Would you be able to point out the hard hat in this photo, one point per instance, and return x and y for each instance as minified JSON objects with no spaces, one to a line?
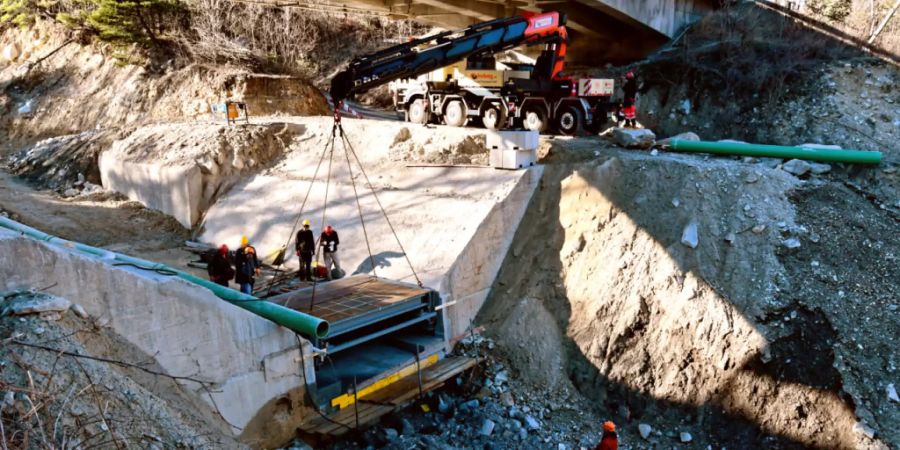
{"x":223,"y":249}
{"x":328,"y":229}
{"x":244,"y":241}
{"x":306,"y":222}
{"x":609,"y":426}
{"x":629,"y":74}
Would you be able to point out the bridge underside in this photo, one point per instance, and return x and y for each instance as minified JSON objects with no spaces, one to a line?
{"x":601,"y":31}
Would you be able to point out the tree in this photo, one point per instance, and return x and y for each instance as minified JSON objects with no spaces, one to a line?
{"x":127,"y":22}
{"x":836,"y":10}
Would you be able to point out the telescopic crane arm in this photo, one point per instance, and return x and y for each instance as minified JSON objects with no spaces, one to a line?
{"x":423,"y":55}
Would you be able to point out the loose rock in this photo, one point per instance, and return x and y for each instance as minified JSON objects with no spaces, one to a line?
{"x":687,"y":136}
{"x":645,"y":430}
{"x":531,"y":423}
{"x":686,"y":437}
{"x":796,"y":167}
{"x":36,"y":305}
{"x":819,"y":168}
{"x":487,"y":427}
{"x":689,"y":237}
{"x":79,"y":311}
{"x":634,"y":138}
{"x":892,"y":393}
{"x":791,"y":243}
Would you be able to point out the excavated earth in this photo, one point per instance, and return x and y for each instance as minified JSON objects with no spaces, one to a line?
{"x":648,"y":323}
{"x":601,"y":312}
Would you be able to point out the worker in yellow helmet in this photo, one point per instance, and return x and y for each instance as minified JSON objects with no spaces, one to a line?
{"x":305,"y":247}
{"x":246,"y":266}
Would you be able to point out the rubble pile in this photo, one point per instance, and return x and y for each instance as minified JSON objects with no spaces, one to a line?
{"x":65,"y":382}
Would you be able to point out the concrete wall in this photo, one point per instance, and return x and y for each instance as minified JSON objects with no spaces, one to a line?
{"x":173,"y":189}
{"x":466,"y":285}
{"x":188,"y":330}
{"x":664,"y":16}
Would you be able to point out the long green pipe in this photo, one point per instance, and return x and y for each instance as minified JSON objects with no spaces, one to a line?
{"x":308,"y":326}
{"x":776,"y":151}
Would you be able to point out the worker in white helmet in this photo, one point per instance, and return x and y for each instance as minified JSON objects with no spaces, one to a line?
{"x":306,"y":247}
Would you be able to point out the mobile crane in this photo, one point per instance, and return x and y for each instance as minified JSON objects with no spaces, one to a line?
{"x":458,"y":78}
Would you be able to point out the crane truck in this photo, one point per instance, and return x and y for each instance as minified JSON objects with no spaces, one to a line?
{"x":453,"y":77}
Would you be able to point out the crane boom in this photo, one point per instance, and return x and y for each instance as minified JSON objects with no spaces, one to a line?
{"x":423,"y":55}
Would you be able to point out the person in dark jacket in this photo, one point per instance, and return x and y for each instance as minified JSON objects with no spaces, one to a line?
{"x":246,"y":266}
{"x":305,"y":247}
{"x":609,"y":440}
{"x":329,"y":242}
{"x":628,"y":100}
{"x":219,"y":267}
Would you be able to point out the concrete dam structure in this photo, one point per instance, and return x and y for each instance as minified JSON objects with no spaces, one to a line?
{"x":388,"y":340}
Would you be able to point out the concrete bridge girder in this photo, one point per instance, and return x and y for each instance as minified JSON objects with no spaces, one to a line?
{"x":601,"y":30}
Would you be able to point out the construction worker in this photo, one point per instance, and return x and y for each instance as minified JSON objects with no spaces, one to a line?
{"x":609,"y":440}
{"x":246,"y":266}
{"x":329,"y":242}
{"x":305,"y":247}
{"x":628,"y":100}
{"x":219,"y":267}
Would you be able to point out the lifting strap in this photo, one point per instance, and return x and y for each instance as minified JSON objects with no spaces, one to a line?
{"x":337,"y":130}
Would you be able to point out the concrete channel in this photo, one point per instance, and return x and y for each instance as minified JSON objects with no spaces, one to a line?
{"x":457,"y":226}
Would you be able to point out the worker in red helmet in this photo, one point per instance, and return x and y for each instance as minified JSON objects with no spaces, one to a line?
{"x":219,"y":267}
{"x":629,"y":90}
{"x":609,"y":440}
{"x":329,"y":242}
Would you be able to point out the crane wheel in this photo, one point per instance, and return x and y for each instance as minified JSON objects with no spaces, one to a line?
{"x":534,"y":119}
{"x":416,"y":112}
{"x":455,"y":114}
{"x":493,"y":118}
{"x":570,"y":120}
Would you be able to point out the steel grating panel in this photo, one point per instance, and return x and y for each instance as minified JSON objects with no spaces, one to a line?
{"x":354,"y":301}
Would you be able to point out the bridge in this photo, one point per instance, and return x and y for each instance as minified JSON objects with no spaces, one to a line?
{"x":604,"y":30}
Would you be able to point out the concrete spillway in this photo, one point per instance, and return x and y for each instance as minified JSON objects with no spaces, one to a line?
{"x":456,"y":225}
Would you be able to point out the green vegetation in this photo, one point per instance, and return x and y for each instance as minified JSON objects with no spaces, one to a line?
{"x":118,"y":22}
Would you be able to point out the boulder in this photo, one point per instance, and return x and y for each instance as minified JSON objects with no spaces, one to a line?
{"x":796,"y":167}
{"x":687,"y":136}
{"x":819,"y":168}
{"x":10,"y":53}
{"x":686,"y":437}
{"x":634,"y":137}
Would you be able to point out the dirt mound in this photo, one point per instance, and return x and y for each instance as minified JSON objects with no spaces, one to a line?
{"x":63,"y":162}
{"x":439,"y":148}
{"x":702,"y":335}
{"x":57,"y":394}
{"x":80,"y":88}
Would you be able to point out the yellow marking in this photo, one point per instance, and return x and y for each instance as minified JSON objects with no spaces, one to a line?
{"x":346,"y":400}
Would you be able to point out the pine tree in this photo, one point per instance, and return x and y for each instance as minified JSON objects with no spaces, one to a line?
{"x":133,"y":21}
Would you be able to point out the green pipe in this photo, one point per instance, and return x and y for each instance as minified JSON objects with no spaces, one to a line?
{"x":305,"y":324}
{"x":776,"y":151}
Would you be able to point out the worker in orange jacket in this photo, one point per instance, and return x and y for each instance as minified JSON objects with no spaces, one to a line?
{"x":609,"y":440}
